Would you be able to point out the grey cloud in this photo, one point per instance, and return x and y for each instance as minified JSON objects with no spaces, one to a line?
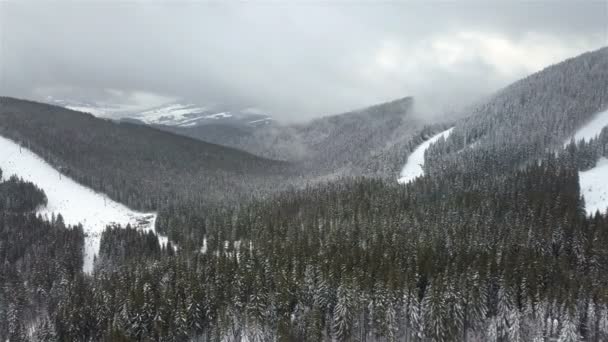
{"x":296,"y":59}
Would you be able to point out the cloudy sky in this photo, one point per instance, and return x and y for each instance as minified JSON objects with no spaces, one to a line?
{"x":297,"y":59}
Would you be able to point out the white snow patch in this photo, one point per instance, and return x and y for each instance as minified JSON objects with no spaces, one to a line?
{"x":594,"y":182}
{"x":415,"y":161}
{"x":260,"y":120}
{"x":219,"y":115}
{"x":204,"y":248}
{"x":76,"y":203}
{"x":592,"y":129}
{"x":594,"y":187}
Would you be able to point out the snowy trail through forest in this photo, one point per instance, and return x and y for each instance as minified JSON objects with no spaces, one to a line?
{"x":415,"y":161}
{"x":76,"y":203}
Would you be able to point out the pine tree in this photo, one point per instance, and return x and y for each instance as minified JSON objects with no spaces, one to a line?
{"x":343,"y":314}
{"x":569,"y":331}
{"x":45,"y":331}
{"x":603,"y":322}
{"x":515,"y":334}
{"x":434,"y":309}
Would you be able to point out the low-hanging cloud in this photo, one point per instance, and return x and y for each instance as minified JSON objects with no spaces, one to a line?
{"x":297,"y":59}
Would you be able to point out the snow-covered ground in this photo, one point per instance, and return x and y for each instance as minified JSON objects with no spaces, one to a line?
{"x":594,"y":187}
{"x":594,"y":182}
{"x":593,"y":128}
{"x":76,"y":203}
{"x":415,"y":161}
{"x":262,"y":121}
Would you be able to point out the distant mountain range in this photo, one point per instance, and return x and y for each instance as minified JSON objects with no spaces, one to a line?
{"x":172,"y":114}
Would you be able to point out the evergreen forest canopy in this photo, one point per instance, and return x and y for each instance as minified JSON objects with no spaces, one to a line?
{"x":492,"y":244}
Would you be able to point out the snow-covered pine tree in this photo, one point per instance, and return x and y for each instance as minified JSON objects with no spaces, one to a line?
{"x":434,"y":310}
{"x":569,"y":331}
{"x":343,"y":314}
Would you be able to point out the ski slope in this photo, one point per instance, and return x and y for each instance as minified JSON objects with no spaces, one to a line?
{"x":415,"y":161}
{"x":594,"y":187}
{"x":594,"y":182}
{"x":593,"y":128}
{"x":76,"y":203}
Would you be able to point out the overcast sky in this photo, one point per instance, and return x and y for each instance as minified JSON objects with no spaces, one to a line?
{"x":296,"y":59}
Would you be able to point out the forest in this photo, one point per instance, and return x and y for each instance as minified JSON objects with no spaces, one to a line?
{"x":505,"y":258}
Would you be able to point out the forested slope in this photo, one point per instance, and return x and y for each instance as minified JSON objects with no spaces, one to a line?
{"x":526,"y":119}
{"x":137,"y":165}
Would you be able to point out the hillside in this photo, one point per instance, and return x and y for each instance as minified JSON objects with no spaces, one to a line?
{"x":526,"y":119}
{"x":137,"y":165}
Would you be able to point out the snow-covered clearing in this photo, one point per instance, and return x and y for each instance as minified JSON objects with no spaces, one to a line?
{"x":593,"y":128}
{"x":594,"y":182}
{"x":594,"y":187}
{"x":76,"y":203}
{"x":415,"y":161}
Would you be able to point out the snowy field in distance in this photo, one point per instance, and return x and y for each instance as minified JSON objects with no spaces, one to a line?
{"x":593,"y":128}
{"x":76,"y":203}
{"x":415,"y":161}
{"x":594,"y":187}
